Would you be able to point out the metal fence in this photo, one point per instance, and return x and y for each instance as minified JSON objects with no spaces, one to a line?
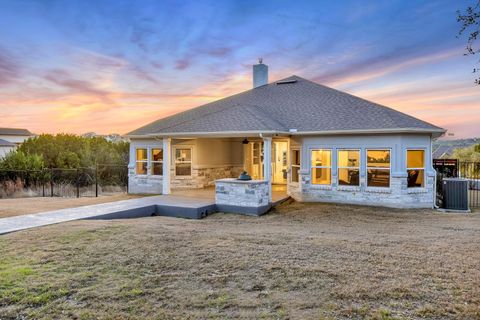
{"x":57,"y":182}
{"x":452,"y":168}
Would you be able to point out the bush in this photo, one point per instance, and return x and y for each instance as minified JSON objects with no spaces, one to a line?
{"x":19,"y":160}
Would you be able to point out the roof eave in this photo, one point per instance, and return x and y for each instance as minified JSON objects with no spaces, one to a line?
{"x":225,"y":134}
{"x":216,"y":134}
{"x":432,"y":131}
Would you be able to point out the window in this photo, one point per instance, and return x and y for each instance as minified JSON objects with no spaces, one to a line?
{"x":295,"y":166}
{"x":183,"y":162}
{"x":321,"y":166}
{"x":349,"y":167}
{"x":157,"y":162}
{"x":378,"y":168}
{"x":416,"y":168}
{"x":141,"y":161}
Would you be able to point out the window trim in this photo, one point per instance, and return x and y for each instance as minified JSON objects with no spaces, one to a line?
{"x":141,"y":161}
{"x":342,"y":167}
{"x":153,"y":161}
{"x":424,"y":166}
{"x":295,"y":165}
{"x":174,"y":155}
{"x":321,"y":167}
{"x":378,"y":168}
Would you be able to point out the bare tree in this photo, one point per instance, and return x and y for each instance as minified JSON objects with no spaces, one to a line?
{"x":470,"y":20}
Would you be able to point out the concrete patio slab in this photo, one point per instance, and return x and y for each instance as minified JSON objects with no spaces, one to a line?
{"x":193,"y":204}
{"x":179,"y":206}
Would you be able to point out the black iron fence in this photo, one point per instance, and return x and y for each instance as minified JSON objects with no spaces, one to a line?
{"x":452,"y":168}
{"x":57,"y":182}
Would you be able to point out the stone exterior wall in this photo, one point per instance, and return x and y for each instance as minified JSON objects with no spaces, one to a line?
{"x":146,"y":184}
{"x":397,"y":196}
{"x":201,"y":177}
{"x":232,"y":192}
{"x":205,"y":176}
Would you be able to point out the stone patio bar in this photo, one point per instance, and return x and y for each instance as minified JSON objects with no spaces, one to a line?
{"x":250,"y":197}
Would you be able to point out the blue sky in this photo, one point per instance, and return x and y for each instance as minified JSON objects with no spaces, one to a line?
{"x":111,"y":66}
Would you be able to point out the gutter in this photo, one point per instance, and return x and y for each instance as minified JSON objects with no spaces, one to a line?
{"x":435,"y":133}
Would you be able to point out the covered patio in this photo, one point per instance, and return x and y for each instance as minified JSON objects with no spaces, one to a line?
{"x":190,"y":165}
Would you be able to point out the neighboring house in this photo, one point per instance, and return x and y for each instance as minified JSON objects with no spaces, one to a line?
{"x":10,"y":138}
{"x":113,"y":137}
{"x":323,"y":144}
{"x":6,"y":147}
{"x":443,"y":152}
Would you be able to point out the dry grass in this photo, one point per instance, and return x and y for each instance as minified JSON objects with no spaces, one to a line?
{"x":19,"y":206}
{"x":303,"y":261}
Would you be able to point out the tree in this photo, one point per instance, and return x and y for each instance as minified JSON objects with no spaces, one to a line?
{"x":468,"y":154}
{"x":71,"y":151}
{"x":470,"y":20}
{"x":18,"y":160}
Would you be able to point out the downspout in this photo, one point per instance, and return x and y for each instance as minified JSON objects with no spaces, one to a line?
{"x":435,"y":179}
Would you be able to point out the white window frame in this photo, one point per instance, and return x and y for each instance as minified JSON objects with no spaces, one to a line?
{"x":424,"y":166}
{"x":295,"y":165}
{"x":379,"y":168}
{"x":175,"y":161}
{"x":321,"y":167}
{"x":357,"y":168}
{"x":152,"y":162}
{"x":141,"y":161}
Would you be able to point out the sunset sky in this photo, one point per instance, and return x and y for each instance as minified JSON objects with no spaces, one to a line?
{"x":112,"y":66}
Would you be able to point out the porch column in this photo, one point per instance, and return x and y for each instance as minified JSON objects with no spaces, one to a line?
{"x":267,"y":164}
{"x":167,"y":143}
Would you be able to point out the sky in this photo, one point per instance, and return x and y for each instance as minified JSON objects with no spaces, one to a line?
{"x":113,"y":66}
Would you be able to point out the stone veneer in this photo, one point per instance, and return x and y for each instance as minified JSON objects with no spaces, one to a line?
{"x":201,"y":177}
{"x":397,"y":196}
{"x":248,"y":197}
{"x":204,"y":176}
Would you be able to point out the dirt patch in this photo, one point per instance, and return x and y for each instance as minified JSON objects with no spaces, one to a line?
{"x":19,"y":206}
{"x":302,"y":261}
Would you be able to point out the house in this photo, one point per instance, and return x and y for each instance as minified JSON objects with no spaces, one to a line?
{"x":320,"y":143}
{"x":10,"y":138}
{"x":443,"y":152}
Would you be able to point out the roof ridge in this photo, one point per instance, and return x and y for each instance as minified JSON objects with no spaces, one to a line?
{"x":204,"y":106}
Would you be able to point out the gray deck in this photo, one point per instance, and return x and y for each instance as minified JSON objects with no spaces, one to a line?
{"x":193,"y":204}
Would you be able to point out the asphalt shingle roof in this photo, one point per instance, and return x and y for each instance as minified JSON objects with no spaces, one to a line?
{"x":299,"y":104}
{"x":15,"y":132}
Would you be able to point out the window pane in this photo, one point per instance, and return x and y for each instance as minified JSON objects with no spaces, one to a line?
{"x":157,"y":168}
{"x":183,"y":154}
{"x":415,"y":159}
{"x":416,"y":178}
{"x":348,"y":177}
{"x":183,"y":169}
{"x":378,"y":158}
{"x":157,"y":155}
{"x":349,"y":158}
{"x":296,"y":157}
{"x":321,"y":175}
{"x":141,"y":154}
{"x":378,"y":178}
{"x":321,"y":158}
{"x":141,"y":168}
{"x":295,"y":174}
